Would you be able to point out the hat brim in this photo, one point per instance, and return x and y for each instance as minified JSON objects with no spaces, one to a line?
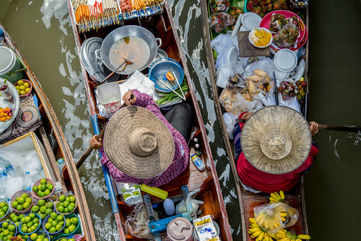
{"x":116,"y":143}
{"x":286,"y":120}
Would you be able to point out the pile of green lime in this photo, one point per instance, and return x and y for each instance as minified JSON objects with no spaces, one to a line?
{"x":30,"y":223}
{"x":22,"y":202}
{"x":55,"y":223}
{"x":38,"y":237}
{"x":66,"y":239}
{"x":43,"y":208}
{"x":4,"y":208}
{"x":16,"y":218}
{"x":65,"y":204}
{"x":43,"y":189}
{"x":70,"y":225}
{"x":7,"y":231}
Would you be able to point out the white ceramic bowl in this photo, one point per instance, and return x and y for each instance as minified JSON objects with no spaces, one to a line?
{"x":253,"y":32}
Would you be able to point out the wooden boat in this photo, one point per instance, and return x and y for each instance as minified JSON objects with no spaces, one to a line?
{"x":164,"y":28}
{"x":55,"y":145}
{"x":248,"y":200}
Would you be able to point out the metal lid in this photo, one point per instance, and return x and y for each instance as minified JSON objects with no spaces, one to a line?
{"x":7,"y":59}
{"x":180,"y":229}
{"x":91,"y":63}
{"x":285,"y":60}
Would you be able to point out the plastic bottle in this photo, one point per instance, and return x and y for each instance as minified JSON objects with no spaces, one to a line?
{"x":61,"y":164}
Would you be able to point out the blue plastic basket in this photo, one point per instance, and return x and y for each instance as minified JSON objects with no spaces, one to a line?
{"x":35,"y":229}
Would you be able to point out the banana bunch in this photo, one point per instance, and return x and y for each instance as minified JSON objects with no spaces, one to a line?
{"x":275,"y":197}
{"x":257,"y":232}
{"x":268,"y":222}
{"x":284,"y":235}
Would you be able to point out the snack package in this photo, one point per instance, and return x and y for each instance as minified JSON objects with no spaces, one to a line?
{"x":130,"y":193}
{"x":275,"y":216}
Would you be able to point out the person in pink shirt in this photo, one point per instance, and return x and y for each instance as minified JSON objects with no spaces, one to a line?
{"x":178,"y":131}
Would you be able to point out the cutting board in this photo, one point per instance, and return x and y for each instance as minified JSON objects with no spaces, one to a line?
{"x":247,"y":50}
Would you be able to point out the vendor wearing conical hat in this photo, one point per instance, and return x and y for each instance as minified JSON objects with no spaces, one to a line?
{"x":273,"y":148}
{"x":140,"y":145}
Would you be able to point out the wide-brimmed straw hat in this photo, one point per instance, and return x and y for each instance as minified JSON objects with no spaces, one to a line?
{"x":138,"y":143}
{"x":276,"y":140}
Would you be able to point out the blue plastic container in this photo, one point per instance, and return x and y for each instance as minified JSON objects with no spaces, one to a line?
{"x":35,"y":229}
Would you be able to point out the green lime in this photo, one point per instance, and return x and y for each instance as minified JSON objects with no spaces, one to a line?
{"x":62,"y":198}
{"x":61,"y":209}
{"x":47,"y":226}
{"x":74,"y":221}
{"x":26,"y":205}
{"x":24,"y":229}
{"x":2,"y":213}
{"x":66,"y":231}
{"x":35,"y":188}
{"x":53,"y":215}
{"x":53,"y":223}
{"x":46,"y":192}
{"x":59,"y":218}
{"x":20,"y":200}
{"x":42,"y":187}
{"x":14,"y":204}
{"x":72,"y":228}
{"x":24,"y":195}
{"x":33,"y":236}
{"x":41,"y":194}
{"x":12,"y":227}
{"x":19,"y":207}
{"x":49,"y":205}
{"x":43,"y":181}
{"x":49,"y":186}
{"x":5,"y":225}
{"x":41,"y":202}
{"x":59,"y":227}
{"x":35,"y":209}
{"x":52,"y":230}
{"x":48,"y":211}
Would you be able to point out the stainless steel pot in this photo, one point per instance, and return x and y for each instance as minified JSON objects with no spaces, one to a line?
{"x":129,"y":31}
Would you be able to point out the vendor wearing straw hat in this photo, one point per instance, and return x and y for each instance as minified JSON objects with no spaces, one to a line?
{"x":277,"y":148}
{"x":140,"y":145}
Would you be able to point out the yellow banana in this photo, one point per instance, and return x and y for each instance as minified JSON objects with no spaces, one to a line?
{"x":282,"y":194}
{"x":260,"y":236}
{"x":304,"y":236}
{"x":252,"y":220}
{"x":298,"y":239}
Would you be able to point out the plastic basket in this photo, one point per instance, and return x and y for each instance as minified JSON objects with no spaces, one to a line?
{"x":47,"y":232}
{"x":8,"y":211}
{"x":18,"y":194}
{"x":34,"y":230}
{"x":76,"y":231}
{"x":8,"y":221}
{"x":37,"y":183}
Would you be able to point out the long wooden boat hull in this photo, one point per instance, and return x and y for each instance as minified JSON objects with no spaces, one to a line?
{"x":249,"y":200}
{"x":206,"y":181}
{"x":51,"y":129}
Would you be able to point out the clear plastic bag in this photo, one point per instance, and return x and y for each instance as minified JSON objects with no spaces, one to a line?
{"x":275,"y":216}
{"x":229,"y":120}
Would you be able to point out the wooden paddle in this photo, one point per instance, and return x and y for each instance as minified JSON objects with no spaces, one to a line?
{"x":340,"y":128}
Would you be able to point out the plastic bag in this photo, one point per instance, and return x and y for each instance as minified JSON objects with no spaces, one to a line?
{"x":229,"y":120}
{"x":265,"y":64}
{"x":137,"y":223}
{"x":275,"y":216}
{"x":234,"y":102}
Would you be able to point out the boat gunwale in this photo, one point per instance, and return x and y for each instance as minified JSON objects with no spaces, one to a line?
{"x":61,"y":141}
{"x":212,"y":74}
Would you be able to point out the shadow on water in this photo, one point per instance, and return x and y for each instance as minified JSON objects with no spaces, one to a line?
{"x":41,"y":30}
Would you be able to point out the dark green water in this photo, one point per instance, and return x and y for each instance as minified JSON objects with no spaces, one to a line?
{"x":42,"y":32}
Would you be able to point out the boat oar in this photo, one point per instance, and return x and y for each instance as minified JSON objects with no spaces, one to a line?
{"x":340,"y":128}
{"x":89,"y":151}
{"x":124,"y":64}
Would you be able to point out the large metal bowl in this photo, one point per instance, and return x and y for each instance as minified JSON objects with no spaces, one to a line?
{"x":129,"y":31}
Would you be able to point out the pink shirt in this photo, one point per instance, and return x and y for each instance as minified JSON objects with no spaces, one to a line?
{"x":181,"y":155}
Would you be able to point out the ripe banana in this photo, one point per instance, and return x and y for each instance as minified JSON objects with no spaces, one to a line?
{"x":277,"y":197}
{"x":284,"y":235}
{"x":256,"y":232}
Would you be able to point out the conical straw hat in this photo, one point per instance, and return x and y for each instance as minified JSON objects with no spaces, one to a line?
{"x":138,"y":143}
{"x":276,"y":140}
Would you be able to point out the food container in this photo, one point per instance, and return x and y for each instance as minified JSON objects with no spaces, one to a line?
{"x":30,"y":86}
{"x":47,"y":232}
{"x":180,"y":229}
{"x":18,"y":194}
{"x":39,"y":225}
{"x":252,"y":37}
{"x":8,"y":221}
{"x":108,"y":95}
{"x":129,"y":31}
{"x":10,"y":67}
{"x":37,"y":183}
{"x":285,"y":60}
{"x":89,"y":60}
{"x":69,"y":235}
{"x":7,"y":212}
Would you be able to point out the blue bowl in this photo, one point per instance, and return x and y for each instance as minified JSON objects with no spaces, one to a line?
{"x":158,"y":71}
{"x":35,"y":229}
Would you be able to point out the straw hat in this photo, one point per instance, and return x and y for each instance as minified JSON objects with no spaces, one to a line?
{"x":138,"y":143}
{"x":276,"y":140}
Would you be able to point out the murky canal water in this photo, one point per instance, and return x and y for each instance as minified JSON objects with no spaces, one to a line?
{"x":42,"y":32}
